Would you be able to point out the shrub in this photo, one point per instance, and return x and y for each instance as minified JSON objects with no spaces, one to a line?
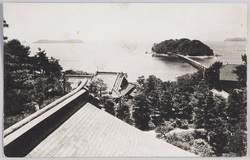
{"x":183,"y":145}
{"x":182,"y":140}
{"x":238,"y":143}
{"x":200,"y":133}
{"x":182,"y":123}
{"x":163,"y":130}
{"x":201,"y":148}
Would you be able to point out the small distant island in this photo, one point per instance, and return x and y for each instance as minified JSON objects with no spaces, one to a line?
{"x":235,"y":40}
{"x":182,"y":46}
{"x":59,"y":41}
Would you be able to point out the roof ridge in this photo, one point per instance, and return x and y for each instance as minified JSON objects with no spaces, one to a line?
{"x":119,"y":81}
{"x":114,"y":85}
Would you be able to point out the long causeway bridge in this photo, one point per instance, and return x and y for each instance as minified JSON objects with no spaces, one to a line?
{"x":72,"y":127}
{"x":192,"y":62}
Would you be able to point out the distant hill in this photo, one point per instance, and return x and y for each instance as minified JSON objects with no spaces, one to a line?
{"x":59,"y":41}
{"x":182,"y":46}
{"x":235,"y":39}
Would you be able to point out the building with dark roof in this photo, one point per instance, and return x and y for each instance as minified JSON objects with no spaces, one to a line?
{"x":117,"y":83}
{"x":228,"y":79}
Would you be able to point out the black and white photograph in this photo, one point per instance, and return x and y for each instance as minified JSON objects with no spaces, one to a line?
{"x":124,"y":80}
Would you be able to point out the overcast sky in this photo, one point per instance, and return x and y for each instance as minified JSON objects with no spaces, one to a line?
{"x":115,"y":22}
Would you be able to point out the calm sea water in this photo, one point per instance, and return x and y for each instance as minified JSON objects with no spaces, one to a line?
{"x":228,"y":53}
{"x":132,"y":58}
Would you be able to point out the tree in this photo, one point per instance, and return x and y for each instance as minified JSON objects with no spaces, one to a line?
{"x":16,"y":56}
{"x":17,"y":77}
{"x":182,"y":108}
{"x":141,"y":82}
{"x":98,"y":86}
{"x":237,"y":121}
{"x":141,"y":113}
{"x":42,"y":62}
{"x":54,"y":67}
{"x":166,"y":105}
{"x":238,"y":142}
{"x":122,"y":111}
{"x":237,"y":110}
{"x":7,"y":26}
{"x":198,"y":104}
{"x":76,"y":72}
{"x":109,"y":106}
{"x":215,"y":123}
{"x":163,"y":130}
{"x":201,"y":148}
{"x":28,"y":80}
{"x":212,"y":74}
{"x":241,"y":71}
{"x":21,"y":81}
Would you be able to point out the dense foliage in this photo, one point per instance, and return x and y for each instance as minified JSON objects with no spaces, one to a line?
{"x":29,"y":81}
{"x":182,"y":46}
{"x":241,"y":71}
{"x":212,"y":75}
{"x":76,"y":72}
{"x":188,"y":104}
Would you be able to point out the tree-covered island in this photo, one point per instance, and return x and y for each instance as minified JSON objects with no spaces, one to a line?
{"x":182,"y":46}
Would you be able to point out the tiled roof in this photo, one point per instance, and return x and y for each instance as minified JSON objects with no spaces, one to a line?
{"x":226,"y":73}
{"x":91,"y":132}
{"x":89,"y":76}
{"x":127,"y":89}
{"x":75,"y":79}
{"x":118,"y":81}
{"x":108,"y":77}
{"x":114,"y":82}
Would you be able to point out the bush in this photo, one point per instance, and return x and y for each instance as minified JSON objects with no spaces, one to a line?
{"x":163,"y":130}
{"x":200,"y":133}
{"x":238,"y":143}
{"x":186,"y":138}
{"x":182,"y":123}
{"x":109,"y":106}
{"x":201,"y":148}
{"x":183,"y":145}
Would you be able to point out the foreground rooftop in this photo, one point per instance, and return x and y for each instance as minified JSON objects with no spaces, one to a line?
{"x":91,"y":132}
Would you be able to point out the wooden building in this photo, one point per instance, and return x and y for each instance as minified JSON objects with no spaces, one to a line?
{"x":228,"y":79}
{"x":117,"y":83}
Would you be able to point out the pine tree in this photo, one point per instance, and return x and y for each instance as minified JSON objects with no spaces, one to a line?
{"x":237,"y":110}
{"x":122,"y":111}
{"x":198,"y":110}
{"x":237,"y":119}
{"x":141,"y":112}
{"x":215,"y":123}
{"x":109,"y":106}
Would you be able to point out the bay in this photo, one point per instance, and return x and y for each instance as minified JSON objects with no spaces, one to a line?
{"x":131,"y":58}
